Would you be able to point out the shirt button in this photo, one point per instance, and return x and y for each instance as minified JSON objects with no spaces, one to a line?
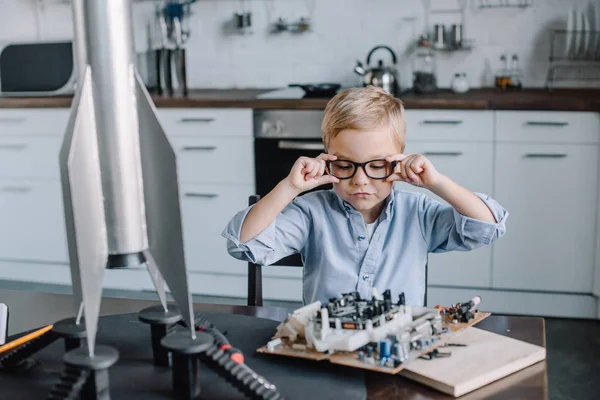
{"x":347,"y":208}
{"x":365,"y":277}
{"x":361,"y":237}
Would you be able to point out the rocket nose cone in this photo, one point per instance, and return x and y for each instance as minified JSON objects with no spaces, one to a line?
{"x":125,"y":260}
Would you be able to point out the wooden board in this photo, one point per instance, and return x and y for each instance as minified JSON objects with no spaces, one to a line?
{"x":350,"y":359}
{"x":486,"y":358}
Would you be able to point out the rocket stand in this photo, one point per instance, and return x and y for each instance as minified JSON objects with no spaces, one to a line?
{"x":186,"y":365}
{"x":161,"y":322}
{"x":72,"y":333}
{"x":85,"y":377}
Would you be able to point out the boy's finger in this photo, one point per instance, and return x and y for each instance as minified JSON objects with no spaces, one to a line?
{"x":396,"y":157}
{"x":321,"y":167}
{"x":325,"y":179}
{"x":325,"y":156}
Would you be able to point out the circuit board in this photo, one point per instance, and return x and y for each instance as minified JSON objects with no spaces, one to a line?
{"x":299,"y":348}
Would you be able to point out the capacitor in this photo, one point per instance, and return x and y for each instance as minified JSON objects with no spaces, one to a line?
{"x":369,"y":351}
{"x":361,"y":355}
{"x":384,"y":349}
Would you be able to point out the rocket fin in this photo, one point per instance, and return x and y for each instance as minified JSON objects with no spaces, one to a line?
{"x":84,"y":207}
{"x":161,"y":193}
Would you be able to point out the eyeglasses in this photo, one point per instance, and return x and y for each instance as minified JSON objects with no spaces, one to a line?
{"x":374,"y":169}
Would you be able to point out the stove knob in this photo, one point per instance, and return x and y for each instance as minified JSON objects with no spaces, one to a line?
{"x":267,"y":128}
{"x":280,"y":126}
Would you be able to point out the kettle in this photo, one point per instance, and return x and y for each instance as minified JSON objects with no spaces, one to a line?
{"x":380,"y":76}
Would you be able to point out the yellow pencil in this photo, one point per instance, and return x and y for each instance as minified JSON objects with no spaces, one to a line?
{"x":24,"y":339}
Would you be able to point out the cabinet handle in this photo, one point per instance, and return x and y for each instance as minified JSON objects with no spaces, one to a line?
{"x":443,"y":153}
{"x":203,"y":195}
{"x":442,"y":122}
{"x":15,"y":146}
{"x":291,"y":145}
{"x":546,"y":123}
{"x":199,"y":148}
{"x":201,"y":120}
{"x":13,"y":120}
{"x":545,"y":155}
{"x":15,"y":189}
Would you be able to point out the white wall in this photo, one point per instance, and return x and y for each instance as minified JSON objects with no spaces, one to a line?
{"x":343,"y":31}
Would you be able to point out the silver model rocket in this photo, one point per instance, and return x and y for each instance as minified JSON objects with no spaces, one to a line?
{"x":118,"y":170}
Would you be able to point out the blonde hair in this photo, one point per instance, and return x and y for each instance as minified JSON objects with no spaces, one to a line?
{"x":363,"y":108}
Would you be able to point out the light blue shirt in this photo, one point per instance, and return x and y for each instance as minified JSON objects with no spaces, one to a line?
{"x":338,"y":257}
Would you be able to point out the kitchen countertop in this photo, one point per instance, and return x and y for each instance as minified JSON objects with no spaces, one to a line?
{"x":475,"y":99}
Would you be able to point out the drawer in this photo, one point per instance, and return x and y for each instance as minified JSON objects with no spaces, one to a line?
{"x":33,"y":225}
{"x":206,"y":210}
{"x":442,"y":125}
{"x":29,"y":157}
{"x":206,"y":122}
{"x":547,"y":126}
{"x":215,"y":160}
{"x":34,"y":121}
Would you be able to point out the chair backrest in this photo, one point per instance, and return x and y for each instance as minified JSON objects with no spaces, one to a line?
{"x":255,"y":294}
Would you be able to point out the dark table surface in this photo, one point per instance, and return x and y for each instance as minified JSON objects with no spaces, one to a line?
{"x":529,"y":383}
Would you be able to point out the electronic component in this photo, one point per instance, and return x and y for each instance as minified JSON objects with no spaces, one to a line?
{"x":376,"y":333}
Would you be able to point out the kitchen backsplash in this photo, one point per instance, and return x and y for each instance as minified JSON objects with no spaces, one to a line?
{"x":342,"y":32}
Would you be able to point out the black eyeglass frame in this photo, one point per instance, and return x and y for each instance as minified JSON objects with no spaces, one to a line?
{"x":363,"y":166}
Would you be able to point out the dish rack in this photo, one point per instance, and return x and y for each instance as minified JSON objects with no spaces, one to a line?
{"x":574,"y":56}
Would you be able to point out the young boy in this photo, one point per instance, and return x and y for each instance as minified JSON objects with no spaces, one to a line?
{"x":364,"y":233}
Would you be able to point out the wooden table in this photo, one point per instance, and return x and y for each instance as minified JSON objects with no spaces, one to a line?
{"x":530,"y":383}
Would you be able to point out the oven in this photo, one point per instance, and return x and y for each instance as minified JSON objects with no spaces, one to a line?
{"x":281,"y":137}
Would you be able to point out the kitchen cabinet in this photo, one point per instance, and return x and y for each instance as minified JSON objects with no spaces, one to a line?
{"x":549,"y":184}
{"x":215,"y":159}
{"x":206,"y":209}
{"x":216,"y":174}
{"x":220,"y":160}
{"x":32,"y":226}
{"x":23,"y":157}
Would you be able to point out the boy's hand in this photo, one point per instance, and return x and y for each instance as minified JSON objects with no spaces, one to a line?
{"x":308,"y":173}
{"x":415,"y":169}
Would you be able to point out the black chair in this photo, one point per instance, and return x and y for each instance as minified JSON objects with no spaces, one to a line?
{"x":255,"y":293}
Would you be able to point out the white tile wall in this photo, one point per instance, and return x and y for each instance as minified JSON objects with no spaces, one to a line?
{"x":343,"y":31}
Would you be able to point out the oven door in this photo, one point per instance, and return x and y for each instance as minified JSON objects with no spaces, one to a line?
{"x":274,"y":158}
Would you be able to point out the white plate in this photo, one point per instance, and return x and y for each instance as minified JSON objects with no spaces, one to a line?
{"x":569,"y":35}
{"x":585,"y":36}
{"x":597,"y":28}
{"x":591,"y":13}
{"x":577,"y":36}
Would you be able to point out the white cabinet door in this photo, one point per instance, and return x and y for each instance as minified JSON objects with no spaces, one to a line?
{"x":206,"y":210}
{"x":470,"y":165}
{"x":550,"y":192}
{"x":32,"y":225}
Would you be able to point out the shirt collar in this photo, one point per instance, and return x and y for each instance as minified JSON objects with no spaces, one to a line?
{"x":347,"y":208}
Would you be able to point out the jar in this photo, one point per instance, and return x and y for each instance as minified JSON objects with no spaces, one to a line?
{"x":459,"y":83}
{"x":424,"y":67}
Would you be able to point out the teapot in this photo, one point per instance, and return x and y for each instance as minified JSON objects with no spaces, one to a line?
{"x":381,"y":75}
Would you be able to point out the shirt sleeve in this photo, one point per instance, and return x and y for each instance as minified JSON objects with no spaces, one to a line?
{"x":445,"y":229}
{"x":283,"y":237}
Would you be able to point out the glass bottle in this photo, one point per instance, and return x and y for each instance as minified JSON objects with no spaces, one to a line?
{"x":424,"y":67}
